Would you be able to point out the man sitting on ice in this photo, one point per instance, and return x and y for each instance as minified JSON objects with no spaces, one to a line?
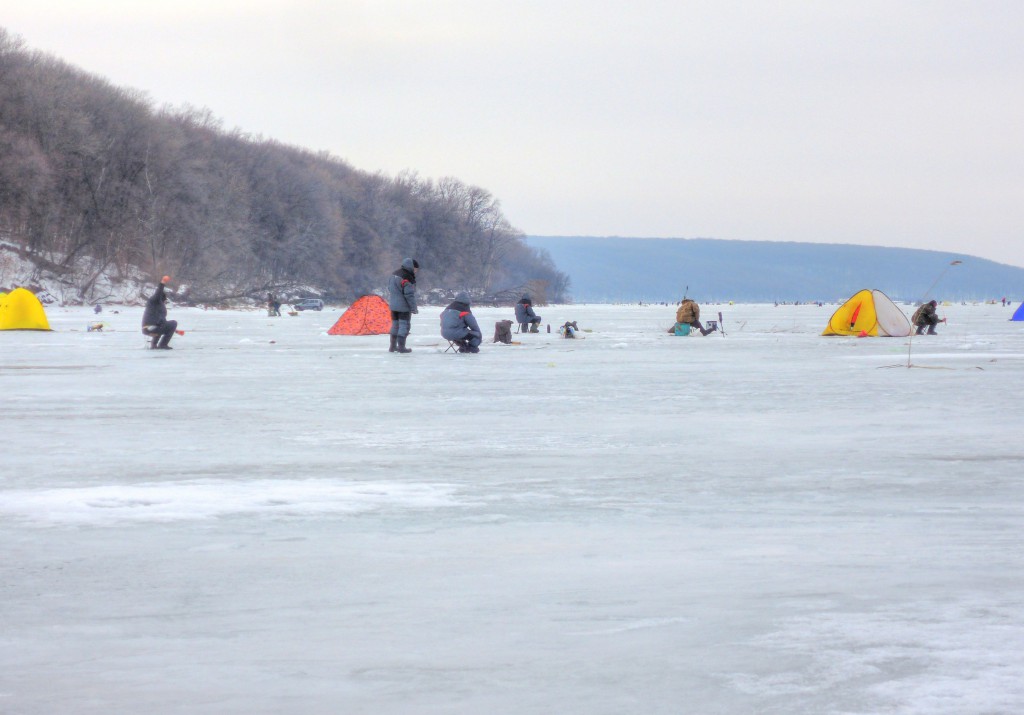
{"x":459,"y":325}
{"x":689,"y":314}
{"x":527,"y":319}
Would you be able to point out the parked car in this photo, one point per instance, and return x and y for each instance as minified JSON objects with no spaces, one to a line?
{"x":309,"y":304}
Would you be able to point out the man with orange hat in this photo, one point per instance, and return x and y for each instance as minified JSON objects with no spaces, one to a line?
{"x":154,"y":319}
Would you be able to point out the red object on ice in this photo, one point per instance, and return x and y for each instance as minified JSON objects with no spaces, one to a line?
{"x":180,"y":332}
{"x":853,"y":318}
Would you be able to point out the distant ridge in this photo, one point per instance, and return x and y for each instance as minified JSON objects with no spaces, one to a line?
{"x":614,"y":269}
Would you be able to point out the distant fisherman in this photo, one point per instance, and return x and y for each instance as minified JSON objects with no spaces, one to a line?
{"x":402,"y":301}
{"x":925,"y":317}
{"x":689,"y":314}
{"x":154,"y":320}
{"x":527,"y":319}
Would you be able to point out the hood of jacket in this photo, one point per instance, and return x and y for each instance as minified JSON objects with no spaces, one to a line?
{"x":406,"y":273}
{"x":461,"y":302}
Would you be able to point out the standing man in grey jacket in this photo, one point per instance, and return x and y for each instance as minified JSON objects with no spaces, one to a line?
{"x":402,"y":302}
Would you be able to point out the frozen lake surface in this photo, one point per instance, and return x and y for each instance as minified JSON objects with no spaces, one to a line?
{"x":268,"y":519}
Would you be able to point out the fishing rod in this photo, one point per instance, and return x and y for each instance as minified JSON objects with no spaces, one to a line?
{"x":935,"y":282}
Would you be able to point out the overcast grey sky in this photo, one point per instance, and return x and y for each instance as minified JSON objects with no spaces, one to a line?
{"x":885,"y":123}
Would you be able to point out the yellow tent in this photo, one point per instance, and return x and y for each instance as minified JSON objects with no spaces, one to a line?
{"x":869,"y":312}
{"x":21,"y":310}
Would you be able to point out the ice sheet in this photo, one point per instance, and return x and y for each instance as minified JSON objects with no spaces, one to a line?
{"x":268,"y":519}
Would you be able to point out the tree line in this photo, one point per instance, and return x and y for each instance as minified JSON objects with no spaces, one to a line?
{"x":89,"y":170}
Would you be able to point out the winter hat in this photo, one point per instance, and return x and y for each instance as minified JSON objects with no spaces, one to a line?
{"x":462,"y":297}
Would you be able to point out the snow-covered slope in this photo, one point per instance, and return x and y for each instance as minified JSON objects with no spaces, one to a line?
{"x":86,"y":282}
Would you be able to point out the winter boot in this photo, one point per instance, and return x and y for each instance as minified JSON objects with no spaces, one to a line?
{"x":533,"y":328}
{"x":393,"y":347}
{"x":931,"y":330}
{"x":153,"y":342}
{"x":401,"y":345}
{"x":920,"y":330}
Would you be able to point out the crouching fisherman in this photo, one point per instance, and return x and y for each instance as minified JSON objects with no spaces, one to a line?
{"x":154,"y":319}
{"x":925,"y":317}
{"x":459,"y":325}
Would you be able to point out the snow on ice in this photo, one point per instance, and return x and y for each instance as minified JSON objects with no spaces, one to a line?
{"x":269,"y":519}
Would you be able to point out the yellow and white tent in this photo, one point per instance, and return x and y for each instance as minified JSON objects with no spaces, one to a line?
{"x":21,"y":310}
{"x":869,"y":312}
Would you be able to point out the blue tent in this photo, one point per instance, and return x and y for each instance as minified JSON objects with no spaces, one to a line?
{"x":1019,"y":314}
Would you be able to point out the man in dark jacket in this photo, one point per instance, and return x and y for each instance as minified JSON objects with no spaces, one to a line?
{"x":925,"y":317}
{"x":459,"y":325}
{"x":154,"y":319}
{"x":525,"y":316}
{"x":402,"y":302}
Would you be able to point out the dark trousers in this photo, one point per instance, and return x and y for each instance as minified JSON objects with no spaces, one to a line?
{"x":470,"y":343}
{"x":162,"y":333}
{"x":400,"y":323}
{"x":927,"y":321}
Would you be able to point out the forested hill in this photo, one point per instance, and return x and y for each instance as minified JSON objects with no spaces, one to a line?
{"x":96,"y":180}
{"x":652,"y":269}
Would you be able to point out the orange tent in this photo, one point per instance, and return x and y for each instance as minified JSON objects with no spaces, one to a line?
{"x":369,"y":315}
